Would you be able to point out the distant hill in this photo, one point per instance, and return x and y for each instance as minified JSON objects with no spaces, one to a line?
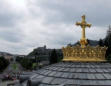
{"x":43,"y":53}
{"x":93,"y":42}
{"x":5,"y":53}
{"x":90,"y":42}
{"x":9,"y":55}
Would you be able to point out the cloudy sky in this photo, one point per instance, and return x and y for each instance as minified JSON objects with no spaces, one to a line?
{"x":27,"y":24}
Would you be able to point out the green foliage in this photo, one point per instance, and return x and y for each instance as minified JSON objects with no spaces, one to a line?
{"x":14,"y":66}
{"x":34,"y":65}
{"x":108,"y":40}
{"x":18,"y":59}
{"x":33,"y":53}
{"x":108,"y":44}
{"x":109,"y":58}
{"x":101,"y":42}
{"x":53,"y":58}
{"x":3,"y":63}
{"x":26,"y":63}
{"x":60,"y":59}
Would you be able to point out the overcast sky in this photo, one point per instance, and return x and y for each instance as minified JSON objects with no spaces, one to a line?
{"x":27,"y":24}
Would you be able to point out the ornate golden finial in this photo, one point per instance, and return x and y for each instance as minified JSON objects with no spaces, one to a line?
{"x":84,"y":53}
{"x":83,"y":25}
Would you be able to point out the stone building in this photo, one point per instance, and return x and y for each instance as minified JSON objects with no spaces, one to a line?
{"x":44,"y":53}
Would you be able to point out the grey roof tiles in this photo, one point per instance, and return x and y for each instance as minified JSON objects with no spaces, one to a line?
{"x":74,"y":74}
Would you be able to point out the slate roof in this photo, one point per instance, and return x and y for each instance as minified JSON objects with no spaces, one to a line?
{"x":73,"y":74}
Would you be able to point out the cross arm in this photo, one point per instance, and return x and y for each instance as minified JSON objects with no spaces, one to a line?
{"x":88,"y":25}
{"x":78,"y":23}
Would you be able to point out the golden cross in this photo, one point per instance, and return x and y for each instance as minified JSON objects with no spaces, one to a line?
{"x":83,"y":25}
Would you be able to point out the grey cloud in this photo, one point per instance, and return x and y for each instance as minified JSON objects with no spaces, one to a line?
{"x":11,"y":35}
{"x":8,"y":18}
{"x":58,"y":35}
{"x":53,"y":15}
{"x":13,"y":48}
{"x":65,"y":11}
{"x":9,"y":23}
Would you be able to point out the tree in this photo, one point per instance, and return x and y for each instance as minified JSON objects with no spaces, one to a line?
{"x":3,"y":63}
{"x":101,"y":42}
{"x":109,"y":57}
{"x":26,"y":63}
{"x":108,"y":44}
{"x":18,"y":59}
{"x":34,"y":65}
{"x":53,"y":58}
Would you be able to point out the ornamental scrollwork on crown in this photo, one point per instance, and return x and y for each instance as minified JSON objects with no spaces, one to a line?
{"x":88,"y":50}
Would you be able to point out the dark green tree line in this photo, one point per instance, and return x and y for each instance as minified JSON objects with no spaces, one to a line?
{"x":3,"y":63}
{"x":108,"y":44}
{"x":53,"y":58}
